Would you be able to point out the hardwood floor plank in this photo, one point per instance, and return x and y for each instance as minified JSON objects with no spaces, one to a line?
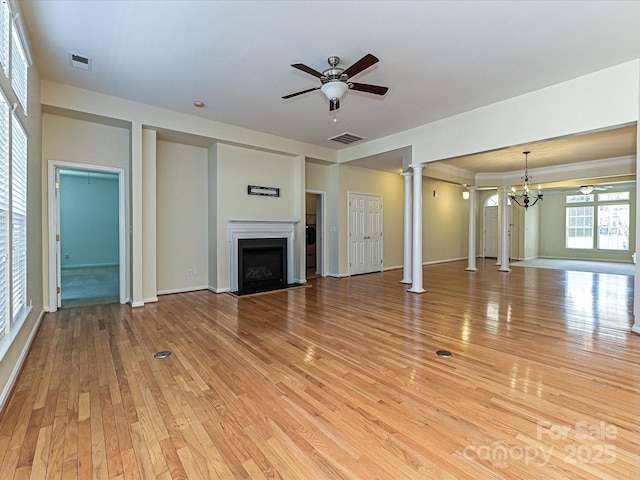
{"x":110,"y":431}
{"x":340,"y":381}
{"x":41,"y":454}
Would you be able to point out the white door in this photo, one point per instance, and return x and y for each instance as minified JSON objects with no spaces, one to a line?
{"x":365,"y":233}
{"x":491,"y":232}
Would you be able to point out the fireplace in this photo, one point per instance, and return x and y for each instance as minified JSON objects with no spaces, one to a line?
{"x":280,"y":230}
{"x":262,"y":264}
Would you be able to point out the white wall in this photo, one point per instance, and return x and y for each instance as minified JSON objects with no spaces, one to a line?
{"x":445,"y":222}
{"x":236,"y":169}
{"x":78,"y":141}
{"x":552,"y":230}
{"x":372,"y":182}
{"x":595,"y":101}
{"x":182,"y":218}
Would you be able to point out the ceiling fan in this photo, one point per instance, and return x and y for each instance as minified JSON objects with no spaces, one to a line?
{"x":587,"y":189}
{"x":335,"y":80}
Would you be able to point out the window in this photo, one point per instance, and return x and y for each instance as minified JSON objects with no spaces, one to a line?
{"x":580,"y":227}
{"x":5,"y":15}
{"x":4,"y":217}
{"x":19,"y":218}
{"x":494,"y":201}
{"x":579,"y":198}
{"x":609,"y":213}
{"x":607,"y":197}
{"x":613,"y":227}
{"x":15,"y":60}
{"x":19,"y":67}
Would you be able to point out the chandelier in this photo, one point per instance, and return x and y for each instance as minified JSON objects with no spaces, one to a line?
{"x":524,"y":199}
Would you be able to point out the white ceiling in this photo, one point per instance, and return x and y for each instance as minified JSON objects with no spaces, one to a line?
{"x":438,"y":58}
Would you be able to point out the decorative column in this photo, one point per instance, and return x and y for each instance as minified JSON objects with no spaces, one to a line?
{"x":416,"y":284}
{"x":471,"y":267}
{"x":149,"y":182}
{"x":137,"y":245}
{"x":504,"y":218}
{"x":406,"y":262}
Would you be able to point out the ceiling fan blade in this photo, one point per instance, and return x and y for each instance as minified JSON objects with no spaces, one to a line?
{"x":365,"y":87}
{"x":362,"y":64}
{"x":300,"y":93}
{"x":334,"y":104}
{"x":309,"y":70}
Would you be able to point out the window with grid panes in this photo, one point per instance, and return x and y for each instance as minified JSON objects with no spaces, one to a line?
{"x":18,"y":217}
{"x":580,"y":227}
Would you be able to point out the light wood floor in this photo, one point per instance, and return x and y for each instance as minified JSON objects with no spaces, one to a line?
{"x":339,"y":381}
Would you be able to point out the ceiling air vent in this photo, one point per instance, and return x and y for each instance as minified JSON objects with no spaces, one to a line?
{"x":80,"y":61}
{"x":346,"y":138}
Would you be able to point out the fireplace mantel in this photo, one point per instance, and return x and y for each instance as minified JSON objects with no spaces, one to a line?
{"x":243,"y":228}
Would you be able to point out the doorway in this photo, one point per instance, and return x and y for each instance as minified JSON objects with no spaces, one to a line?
{"x":314,"y":234}
{"x":86,"y":219}
{"x":365,"y":233}
{"x":491,"y":231}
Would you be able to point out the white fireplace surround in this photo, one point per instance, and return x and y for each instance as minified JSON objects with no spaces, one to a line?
{"x":260,"y":229}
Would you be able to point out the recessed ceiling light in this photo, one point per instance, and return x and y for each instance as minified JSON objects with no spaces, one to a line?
{"x":198,"y":104}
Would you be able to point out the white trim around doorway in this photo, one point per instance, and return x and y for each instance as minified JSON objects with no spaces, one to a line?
{"x":51,"y":243}
{"x":321,"y":239}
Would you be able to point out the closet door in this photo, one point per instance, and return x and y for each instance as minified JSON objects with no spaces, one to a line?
{"x":365,"y":233}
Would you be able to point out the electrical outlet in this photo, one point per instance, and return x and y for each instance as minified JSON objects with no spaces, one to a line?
{"x":190,"y":272}
{"x":195,"y":272}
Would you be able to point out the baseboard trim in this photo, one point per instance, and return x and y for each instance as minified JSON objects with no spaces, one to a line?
{"x":218,"y":290}
{"x":8,"y":388}
{"x":171,"y":291}
{"x":88,"y":265}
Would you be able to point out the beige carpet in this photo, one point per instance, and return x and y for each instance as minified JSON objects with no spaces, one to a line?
{"x":614,"y":268}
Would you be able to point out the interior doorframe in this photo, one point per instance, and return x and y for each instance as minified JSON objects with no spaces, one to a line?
{"x":377,"y":195}
{"x":321,"y":220}
{"x":484,"y":232}
{"x":54,"y":264}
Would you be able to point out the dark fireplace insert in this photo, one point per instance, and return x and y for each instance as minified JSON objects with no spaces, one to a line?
{"x":262,"y":264}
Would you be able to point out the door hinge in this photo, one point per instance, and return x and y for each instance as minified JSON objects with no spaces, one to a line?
{"x":57,"y":185}
{"x":58,"y":290}
{"x":57,"y":237}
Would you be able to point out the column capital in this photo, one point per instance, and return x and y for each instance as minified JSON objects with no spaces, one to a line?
{"x":417,"y":166}
{"x":407,"y":174}
{"x":504,"y":188}
{"x":471,"y":187}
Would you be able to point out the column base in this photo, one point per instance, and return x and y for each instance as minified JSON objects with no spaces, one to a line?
{"x":635,"y":328}
{"x":405,"y":280}
{"x":507,"y":270}
{"x":471,"y":269}
{"x":416,"y":290}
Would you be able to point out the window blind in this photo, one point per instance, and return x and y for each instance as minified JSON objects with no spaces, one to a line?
{"x":19,"y":68}
{"x":5,"y":15}
{"x":4,"y":216}
{"x":19,"y":216}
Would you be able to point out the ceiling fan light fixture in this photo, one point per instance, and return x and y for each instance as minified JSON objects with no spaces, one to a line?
{"x":334,"y":89}
{"x":586,"y":189}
